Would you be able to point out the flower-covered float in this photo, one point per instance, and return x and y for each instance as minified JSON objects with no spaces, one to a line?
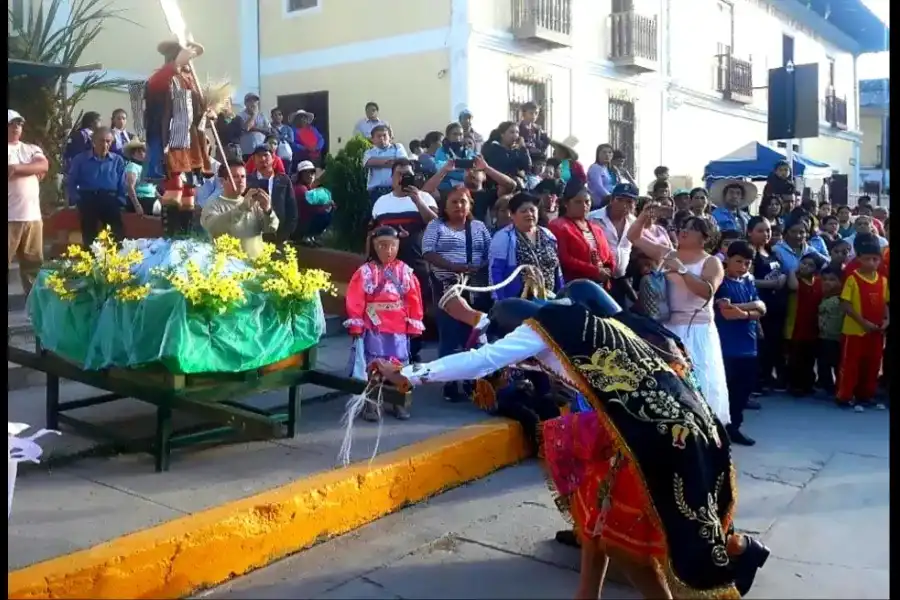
{"x":189,"y":306}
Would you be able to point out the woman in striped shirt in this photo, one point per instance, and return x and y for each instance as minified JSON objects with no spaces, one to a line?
{"x":455,"y":244}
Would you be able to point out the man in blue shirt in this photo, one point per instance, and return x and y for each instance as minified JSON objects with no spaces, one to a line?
{"x":96,"y":184}
{"x":731,"y":197}
{"x":738,"y":308}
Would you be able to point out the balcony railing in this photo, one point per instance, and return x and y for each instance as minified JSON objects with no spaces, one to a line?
{"x":836,"y":111}
{"x":634,"y":41}
{"x":734,"y":78}
{"x":545,"y":21}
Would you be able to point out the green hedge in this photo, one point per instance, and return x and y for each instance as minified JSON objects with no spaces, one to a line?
{"x":346,"y":178}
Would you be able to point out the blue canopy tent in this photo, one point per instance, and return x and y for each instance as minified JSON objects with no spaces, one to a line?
{"x":756,"y":161}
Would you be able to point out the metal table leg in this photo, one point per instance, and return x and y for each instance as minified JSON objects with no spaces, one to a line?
{"x":52,"y":402}
{"x":162,"y":446}
{"x":293,"y":423}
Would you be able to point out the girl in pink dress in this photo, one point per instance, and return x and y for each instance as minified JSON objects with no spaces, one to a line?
{"x":384,"y":306}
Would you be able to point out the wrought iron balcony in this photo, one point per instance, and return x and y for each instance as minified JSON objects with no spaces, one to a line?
{"x":634,"y":41}
{"x":734,"y":78}
{"x":836,"y":111}
{"x":545,"y":21}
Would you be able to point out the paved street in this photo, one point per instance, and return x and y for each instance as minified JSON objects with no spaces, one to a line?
{"x":815,"y":489}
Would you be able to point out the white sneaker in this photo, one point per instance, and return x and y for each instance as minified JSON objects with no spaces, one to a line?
{"x":859,"y":408}
{"x":880,"y":406}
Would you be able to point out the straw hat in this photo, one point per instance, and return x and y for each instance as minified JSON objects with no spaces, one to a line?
{"x":717,"y":191}
{"x":131,"y":146}
{"x":301,"y":113}
{"x":568,"y":145}
{"x":172,"y":47}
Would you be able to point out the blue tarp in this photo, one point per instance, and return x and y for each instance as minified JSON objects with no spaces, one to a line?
{"x":756,"y":161}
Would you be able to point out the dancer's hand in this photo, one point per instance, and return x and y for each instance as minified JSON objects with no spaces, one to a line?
{"x":390,"y":372}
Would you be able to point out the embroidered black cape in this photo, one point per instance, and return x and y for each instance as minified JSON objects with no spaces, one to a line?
{"x":657,"y":421}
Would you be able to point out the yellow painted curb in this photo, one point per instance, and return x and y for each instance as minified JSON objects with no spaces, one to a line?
{"x":180,"y":557}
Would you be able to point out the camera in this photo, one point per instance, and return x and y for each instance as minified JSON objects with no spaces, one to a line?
{"x":407,"y":180}
{"x":463,"y":163}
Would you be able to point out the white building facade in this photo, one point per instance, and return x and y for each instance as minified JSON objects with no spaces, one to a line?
{"x":670,"y":83}
{"x":675,"y":83}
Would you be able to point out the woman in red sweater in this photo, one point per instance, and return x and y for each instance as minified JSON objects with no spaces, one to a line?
{"x":584,"y":252}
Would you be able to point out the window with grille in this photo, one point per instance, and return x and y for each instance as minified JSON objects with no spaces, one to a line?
{"x":298,"y":5}
{"x":525,"y":88}
{"x":622,"y":128}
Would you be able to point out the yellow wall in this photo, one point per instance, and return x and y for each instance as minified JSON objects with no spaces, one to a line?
{"x":414,"y":99}
{"x":871,"y":126}
{"x":105,"y":103}
{"x":835,"y":151}
{"x":129,"y":44}
{"x":344,"y":22}
{"x":126,"y":46}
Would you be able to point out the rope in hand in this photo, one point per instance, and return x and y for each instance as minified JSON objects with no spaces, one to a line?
{"x":355,"y":406}
{"x":537,"y":278}
{"x":534,"y":283}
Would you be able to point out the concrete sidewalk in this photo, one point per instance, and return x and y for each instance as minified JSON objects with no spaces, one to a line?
{"x":80,"y":503}
{"x":815,"y":488}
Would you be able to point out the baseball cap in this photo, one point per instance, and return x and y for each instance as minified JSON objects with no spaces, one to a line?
{"x":305,"y":165}
{"x":465,"y":113}
{"x":13,"y":116}
{"x":250,"y":96}
{"x":626,"y":190}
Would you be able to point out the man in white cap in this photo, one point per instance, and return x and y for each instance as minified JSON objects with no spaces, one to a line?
{"x":26,"y":166}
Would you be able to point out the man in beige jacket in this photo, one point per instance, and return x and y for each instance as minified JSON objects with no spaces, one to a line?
{"x":238,"y":212}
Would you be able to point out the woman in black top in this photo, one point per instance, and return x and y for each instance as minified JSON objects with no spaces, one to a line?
{"x":504,"y":152}
{"x":770,"y":283}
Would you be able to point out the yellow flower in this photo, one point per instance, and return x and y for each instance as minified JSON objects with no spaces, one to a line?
{"x":285,"y":282}
{"x":265,"y":256}
{"x":108,"y":269}
{"x":133,"y":293}
{"x":56,"y":284}
{"x":213,"y":291}
{"x":229,"y":247}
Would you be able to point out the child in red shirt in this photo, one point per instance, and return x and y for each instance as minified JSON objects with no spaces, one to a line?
{"x":865,"y":299}
{"x":802,"y":331}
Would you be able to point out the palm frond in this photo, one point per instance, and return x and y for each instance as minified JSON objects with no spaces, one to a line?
{"x":51,"y":35}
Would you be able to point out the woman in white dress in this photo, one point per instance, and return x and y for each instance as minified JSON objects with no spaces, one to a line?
{"x":693,"y":276}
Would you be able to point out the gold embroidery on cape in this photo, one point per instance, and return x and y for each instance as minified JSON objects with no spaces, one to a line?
{"x":629,"y":370}
{"x":679,"y":588}
{"x":708,"y":519}
{"x":611,"y":370}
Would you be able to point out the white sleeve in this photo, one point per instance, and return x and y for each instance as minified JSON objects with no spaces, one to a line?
{"x":428,"y":199}
{"x":521,"y":344}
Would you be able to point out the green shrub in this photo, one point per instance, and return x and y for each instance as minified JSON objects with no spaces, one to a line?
{"x":345,"y":177}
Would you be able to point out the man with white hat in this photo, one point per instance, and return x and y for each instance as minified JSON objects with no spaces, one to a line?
{"x":731,"y":197}
{"x":26,"y":166}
